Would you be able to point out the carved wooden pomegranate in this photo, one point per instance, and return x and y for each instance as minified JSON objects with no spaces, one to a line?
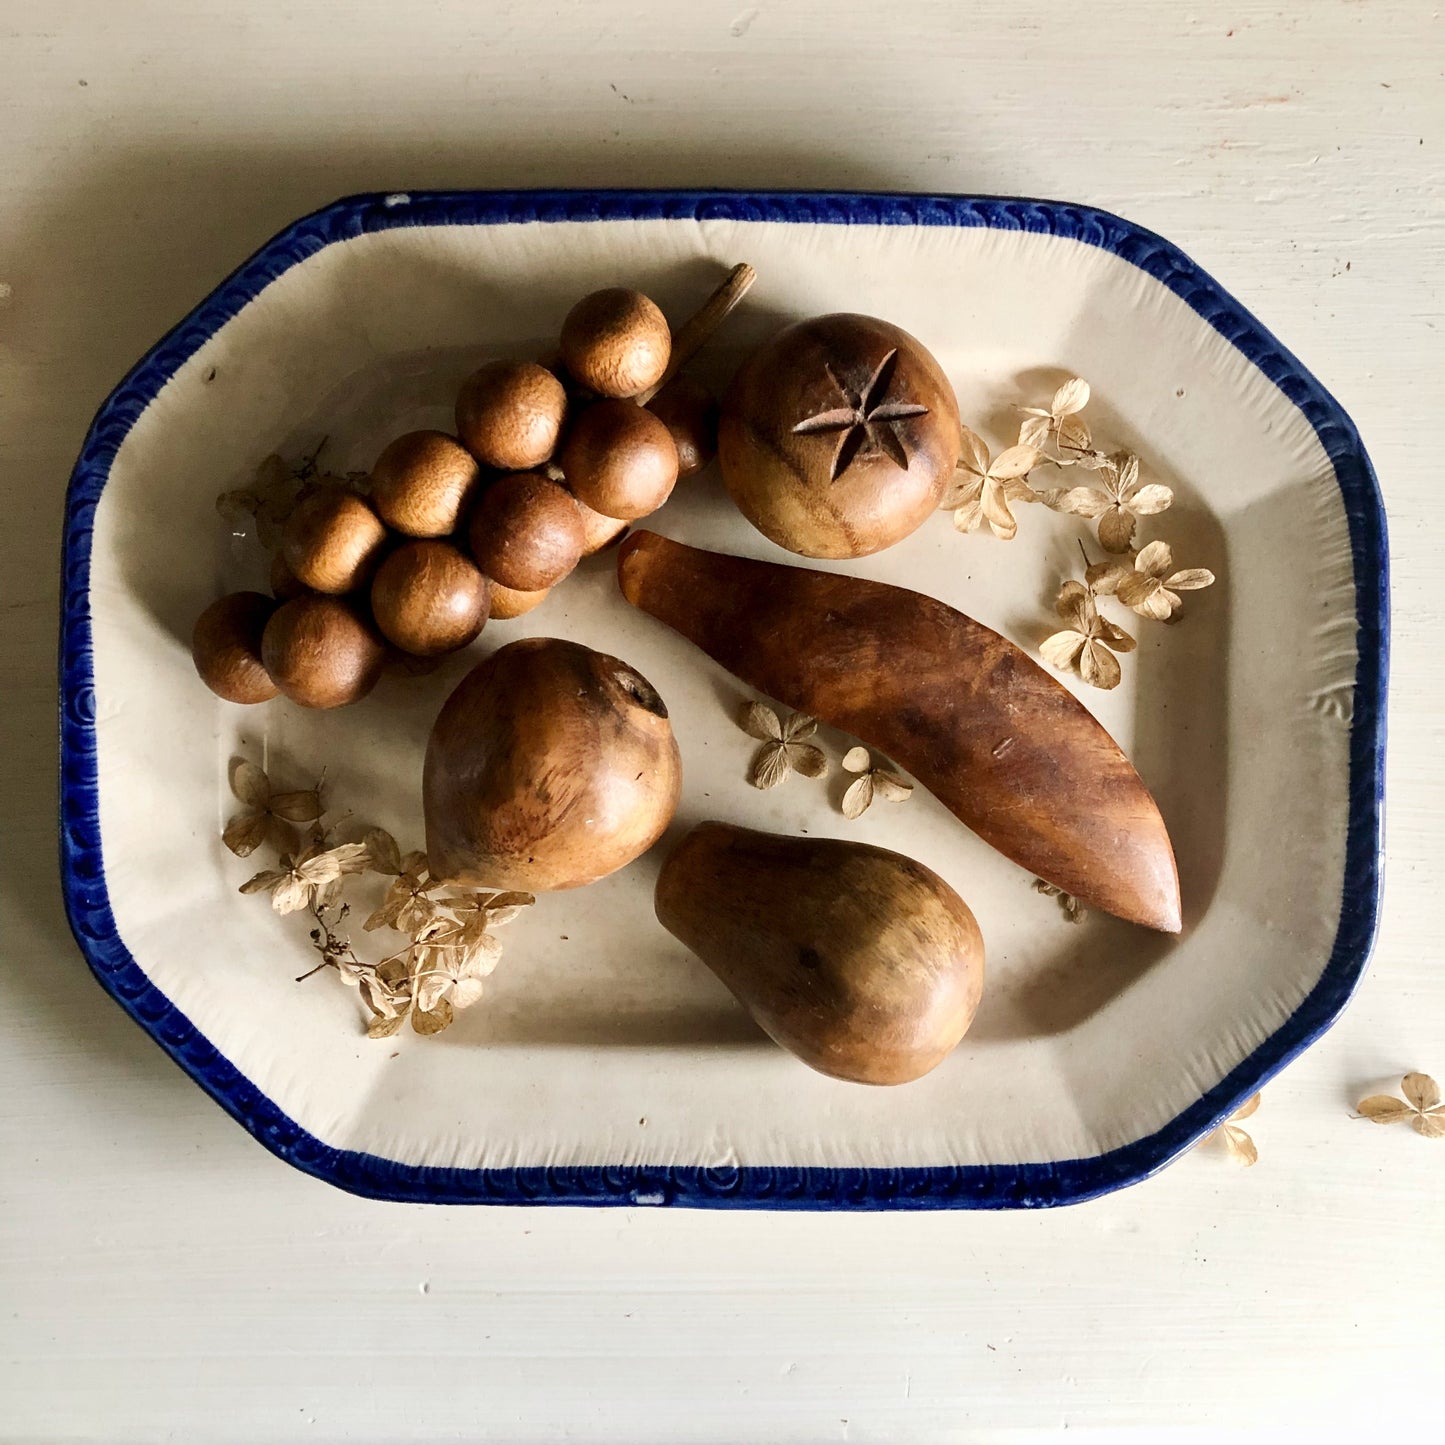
{"x":838,"y":436}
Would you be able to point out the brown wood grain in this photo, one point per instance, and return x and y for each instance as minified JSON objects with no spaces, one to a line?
{"x":981,"y":725}
{"x":863,"y":963}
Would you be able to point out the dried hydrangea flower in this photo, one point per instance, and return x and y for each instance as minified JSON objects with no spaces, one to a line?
{"x":1150,"y":586}
{"x":408,"y":904}
{"x":785,"y":748}
{"x":1117,"y":504}
{"x":297,"y":883}
{"x":871,"y":783}
{"x":1061,"y":423}
{"x":444,"y":967}
{"x":270,"y":816}
{"x":1421,"y":1106}
{"x":270,"y":500}
{"x":1072,"y":909}
{"x":477,"y":913}
{"x":986,"y":487}
{"x":387,"y":993}
{"x":1084,"y":646}
{"x":1236,"y":1140}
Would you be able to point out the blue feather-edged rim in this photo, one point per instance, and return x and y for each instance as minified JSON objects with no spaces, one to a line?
{"x":1003,"y":1186}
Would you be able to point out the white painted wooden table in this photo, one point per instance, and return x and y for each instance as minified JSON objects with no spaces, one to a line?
{"x":164,"y":1278}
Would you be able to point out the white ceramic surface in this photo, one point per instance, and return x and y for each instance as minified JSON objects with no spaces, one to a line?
{"x":601,"y":1042}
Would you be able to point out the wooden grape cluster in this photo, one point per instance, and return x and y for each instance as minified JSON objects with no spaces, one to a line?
{"x":550,"y":463}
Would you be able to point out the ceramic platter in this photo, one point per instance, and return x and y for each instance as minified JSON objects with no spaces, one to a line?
{"x":607,"y":1066}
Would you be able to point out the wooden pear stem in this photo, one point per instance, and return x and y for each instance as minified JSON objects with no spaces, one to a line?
{"x":694,"y":332}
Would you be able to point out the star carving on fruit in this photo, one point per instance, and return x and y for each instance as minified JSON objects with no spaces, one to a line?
{"x":865,"y":422}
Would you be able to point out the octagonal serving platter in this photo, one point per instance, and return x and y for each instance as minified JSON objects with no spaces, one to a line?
{"x":605,"y":1065}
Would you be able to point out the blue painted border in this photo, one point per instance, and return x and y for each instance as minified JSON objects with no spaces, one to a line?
{"x":976,"y":1187}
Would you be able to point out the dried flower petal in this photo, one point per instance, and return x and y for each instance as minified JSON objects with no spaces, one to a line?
{"x":1422,"y":1092}
{"x":1112,"y":635}
{"x":1248,"y":1108}
{"x":1116,"y":530}
{"x":1014,"y":463}
{"x":394,"y":973}
{"x":1071,"y":397}
{"x":1034,"y":429}
{"x":480,"y":958}
{"x":1154,"y":560}
{"x":245,"y":833}
{"x":857,"y":760}
{"x":1151,"y":500}
{"x":415,"y":912}
{"x":302,"y":807}
{"x":263,"y":881}
{"x":1098,"y":666}
{"x":859,"y":796}
{"x":1073,"y":434}
{"x":431,"y":988}
{"x":1103,"y":578}
{"x":1383,"y":1109}
{"x":973,"y":455}
{"x":759,"y":721}
{"x":890,"y":787}
{"x":377,"y":996}
{"x":1240,"y":1146}
{"x":1087,"y":502}
{"x":250,"y":784}
{"x":291,"y":894}
{"x":432,"y":1021}
{"x":770,"y":766}
{"x":383,"y":852}
{"x":806,"y":759}
{"x":1075,"y":605}
{"x":1062,"y":649}
{"x":1191,"y":579}
{"x":465,"y":992}
{"x":384,"y":1026}
{"x":1430,"y":1126}
{"x":1073,"y":910}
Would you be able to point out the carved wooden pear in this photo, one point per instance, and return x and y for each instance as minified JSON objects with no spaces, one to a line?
{"x":863,"y":963}
{"x":549,"y":767}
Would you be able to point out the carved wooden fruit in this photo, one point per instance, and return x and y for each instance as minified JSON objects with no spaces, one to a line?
{"x":508,"y":602}
{"x":509,"y":414}
{"x":333,"y":542}
{"x":981,"y":725}
{"x":226,"y":647}
{"x":321,"y":652}
{"x":549,"y":767}
{"x":616,"y":342}
{"x":838,"y":436}
{"x":428,"y":599}
{"x":690,"y":412}
{"x":863,"y":963}
{"x":619,"y":459}
{"x":526,"y":532}
{"x":423,"y":482}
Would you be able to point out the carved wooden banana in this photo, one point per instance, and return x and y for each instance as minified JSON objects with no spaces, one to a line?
{"x":981,"y":725}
